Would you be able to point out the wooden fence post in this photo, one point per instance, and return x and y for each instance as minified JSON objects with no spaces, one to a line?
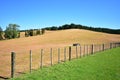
{"x":87,"y":50}
{"x":84,"y":50}
{"x":69,"y":53}
{"x":41,"y":56}
{"x":30,"y":61}
{"x":115,"y":45}
{"x":103,"y":46}
{"x":51,"y":56}
{"x":76,"y":52}
{"x":92,"y":49}
{"x":58,"y":55}
{"x":65,"y":54}
{"x":80,"y":51}
{"x":12,"y":64}
{"x":110,"y":45}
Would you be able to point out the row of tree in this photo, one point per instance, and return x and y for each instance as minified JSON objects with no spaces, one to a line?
{"x":34,"y":32}
{"x":12,"y":31}
{"x":78,"y":26}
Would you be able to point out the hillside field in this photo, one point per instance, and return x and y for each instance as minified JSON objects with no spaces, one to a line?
{"x":51,"y":39}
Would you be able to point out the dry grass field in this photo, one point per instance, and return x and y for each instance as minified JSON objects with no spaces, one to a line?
{"x":51,"y":39}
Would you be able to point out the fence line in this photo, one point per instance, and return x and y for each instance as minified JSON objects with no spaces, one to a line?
{"x":76,"y":52}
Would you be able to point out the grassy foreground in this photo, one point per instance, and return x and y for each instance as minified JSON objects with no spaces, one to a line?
{"x":101,"y":66}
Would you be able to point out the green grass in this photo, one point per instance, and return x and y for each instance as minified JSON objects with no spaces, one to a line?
{"x":100,"y":66}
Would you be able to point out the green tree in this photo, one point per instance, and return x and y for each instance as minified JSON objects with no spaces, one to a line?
{"x":43,"y":31}
{"x":54,"y":28}
{"x":38,"y":32}
{"x":31,"y":32}
{"x":1,"y":33}
{"x":12,"y":31}
{"x":26,"y":33}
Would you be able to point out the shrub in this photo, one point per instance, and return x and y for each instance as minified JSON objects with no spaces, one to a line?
{"x":38,"y":32}
{"x":1,"y":33}
{"x":12,"y":31}
{"x":43,"y":31}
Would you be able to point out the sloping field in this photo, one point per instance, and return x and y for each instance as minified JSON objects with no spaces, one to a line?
{"x":50,"y":39}
{"x":101,"y":66}
{"x":56,"y":39}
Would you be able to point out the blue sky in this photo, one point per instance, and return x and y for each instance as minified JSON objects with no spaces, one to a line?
{"x":31,"y":14}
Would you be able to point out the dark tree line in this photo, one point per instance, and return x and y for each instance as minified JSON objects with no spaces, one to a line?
{"x":78,"y":26}
{"x":33,"y":32}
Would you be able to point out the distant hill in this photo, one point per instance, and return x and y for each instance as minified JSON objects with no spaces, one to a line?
{"x":78,"y":26}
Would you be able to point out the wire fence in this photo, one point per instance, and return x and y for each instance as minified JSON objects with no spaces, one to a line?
{"x":27,"y":61}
